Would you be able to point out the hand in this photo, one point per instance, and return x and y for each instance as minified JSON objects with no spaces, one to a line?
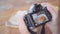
{"x":51,"y":26}
{"x":22,"y":26}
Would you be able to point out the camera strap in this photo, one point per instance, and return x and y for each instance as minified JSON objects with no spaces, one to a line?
{"x":43,"y":29}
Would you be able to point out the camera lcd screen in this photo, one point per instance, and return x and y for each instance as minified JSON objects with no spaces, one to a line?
{"x":39,"y":18}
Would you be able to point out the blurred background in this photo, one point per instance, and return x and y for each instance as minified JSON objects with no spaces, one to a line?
{"x":10,"y":7}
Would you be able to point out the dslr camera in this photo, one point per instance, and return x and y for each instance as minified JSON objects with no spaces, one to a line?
{"x":37,"y":15}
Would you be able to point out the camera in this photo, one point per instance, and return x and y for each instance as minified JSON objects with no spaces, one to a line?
{"x":37,"y":15}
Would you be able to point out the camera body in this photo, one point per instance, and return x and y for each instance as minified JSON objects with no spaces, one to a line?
{"x":37,"y":16}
